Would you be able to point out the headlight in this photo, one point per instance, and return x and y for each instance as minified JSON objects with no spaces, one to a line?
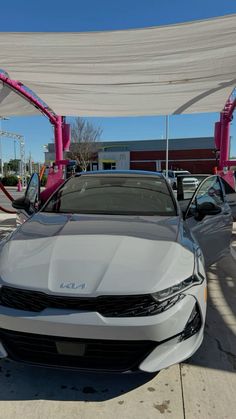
{"x":195,"y":279}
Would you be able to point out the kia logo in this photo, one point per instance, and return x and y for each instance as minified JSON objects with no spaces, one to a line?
{"x":72,"y":286}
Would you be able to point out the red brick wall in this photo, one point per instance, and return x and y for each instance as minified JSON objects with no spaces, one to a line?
{"x":173,"y":154}
{"x":150,"y":166}
{"x":194,"y":165}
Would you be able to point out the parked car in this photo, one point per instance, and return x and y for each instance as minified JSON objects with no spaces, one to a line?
{"x":191,"y":182}
{"x":109,"y":274}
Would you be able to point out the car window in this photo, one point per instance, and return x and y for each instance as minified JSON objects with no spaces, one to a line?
{"x":120,"y":195}
{"x":228,"y":189}
{"x":32,"y":191}
{"x":187,"y":184}
{"x":209,"y":191}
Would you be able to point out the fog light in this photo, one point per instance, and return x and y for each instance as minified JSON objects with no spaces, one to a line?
{"x":193,"y":325}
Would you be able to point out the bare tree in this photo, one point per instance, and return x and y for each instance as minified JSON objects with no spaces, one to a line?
{"x":84,"y":138}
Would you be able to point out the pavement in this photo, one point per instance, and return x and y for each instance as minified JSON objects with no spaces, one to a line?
{"x":5,"y":202}
{"x":202,"y":387}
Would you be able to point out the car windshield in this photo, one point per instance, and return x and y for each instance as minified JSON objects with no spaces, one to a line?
{"x":115,"y":195}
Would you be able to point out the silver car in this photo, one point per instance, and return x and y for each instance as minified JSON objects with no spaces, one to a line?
{"x":109,"y":274}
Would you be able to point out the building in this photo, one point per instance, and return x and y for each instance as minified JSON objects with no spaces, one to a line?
{"x":49,"y":154}
{"x":194,"y":154}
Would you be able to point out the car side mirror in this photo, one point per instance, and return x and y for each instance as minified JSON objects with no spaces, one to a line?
{"x":22,"y":203}
{"x":206,"y":208}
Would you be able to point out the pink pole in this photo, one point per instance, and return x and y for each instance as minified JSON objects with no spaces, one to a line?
{"x":224,"y":129}
{"x":217,"y":135}
{"x":58,"y":139}
{"x":57,"y":121}
{"x":18,"y":87}
{"x":225,"y":141}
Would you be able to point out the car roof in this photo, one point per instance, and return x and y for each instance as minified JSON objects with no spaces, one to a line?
{"x":180,"y":171}
{"x":122,"y":173}
{"x":198,"y":174}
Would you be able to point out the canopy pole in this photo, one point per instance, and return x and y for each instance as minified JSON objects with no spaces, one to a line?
{"x":222,"y":134}
{"x":61,"y":129}
{"x":167,"y":145}
{"x":58,"y":139}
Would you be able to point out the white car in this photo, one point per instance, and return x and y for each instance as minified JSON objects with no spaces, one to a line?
{"x":108,"y":275}
{"x":190,"y":181}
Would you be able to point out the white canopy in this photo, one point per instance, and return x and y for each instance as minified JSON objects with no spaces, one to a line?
{"x":185,"y":68}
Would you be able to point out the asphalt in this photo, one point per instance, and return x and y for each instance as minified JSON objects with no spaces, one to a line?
{"x":5,"y":202}
{"x":202,"y":387}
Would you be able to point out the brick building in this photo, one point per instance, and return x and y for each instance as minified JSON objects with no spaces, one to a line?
{"x":194,"y":154}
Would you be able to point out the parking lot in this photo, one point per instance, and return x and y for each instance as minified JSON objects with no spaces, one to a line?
{"x":202,"y":387}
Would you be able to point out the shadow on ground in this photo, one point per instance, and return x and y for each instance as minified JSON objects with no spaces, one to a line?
{"x":218,"y":350}
{"x":24,"y":382}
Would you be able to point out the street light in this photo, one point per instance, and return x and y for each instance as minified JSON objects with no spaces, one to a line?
{"x":2,"y":118}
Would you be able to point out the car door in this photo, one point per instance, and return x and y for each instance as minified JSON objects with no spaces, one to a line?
{"x":230,"y":197}
{"x":212,"y":231}
{"x":32,"y":194}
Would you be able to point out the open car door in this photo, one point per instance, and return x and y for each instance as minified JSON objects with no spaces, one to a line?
{"x":187,"y":184}
{"x":208,"y":216}
{"x":28,"y":204}
{"x":230,"y":197}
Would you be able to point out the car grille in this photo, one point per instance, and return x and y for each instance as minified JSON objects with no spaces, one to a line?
{"x":112,"y":355}
{"x":107,"y":306}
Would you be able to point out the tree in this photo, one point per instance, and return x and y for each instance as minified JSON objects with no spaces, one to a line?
{"x":12,"y":166}
{"x":84,"y":138}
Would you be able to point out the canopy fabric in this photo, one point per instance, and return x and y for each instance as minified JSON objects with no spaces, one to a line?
{"x":185,"y":68}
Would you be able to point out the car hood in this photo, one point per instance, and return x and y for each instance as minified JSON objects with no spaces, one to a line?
{"x":95,"y":255}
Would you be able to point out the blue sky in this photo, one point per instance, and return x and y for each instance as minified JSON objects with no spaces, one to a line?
{"x":94,"y":15}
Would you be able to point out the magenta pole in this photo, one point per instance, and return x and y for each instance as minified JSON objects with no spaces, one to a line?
{"x":18,"y":87}
{"x":225,"y":140}
{"x":223,"y":131}
{"x":58,"y":139}
{"x":58,"y":122}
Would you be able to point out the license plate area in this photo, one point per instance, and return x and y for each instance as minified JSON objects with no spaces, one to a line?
{"x":71,"y":348}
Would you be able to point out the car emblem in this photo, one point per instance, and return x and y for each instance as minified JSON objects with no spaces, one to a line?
{"x":72,"y":285}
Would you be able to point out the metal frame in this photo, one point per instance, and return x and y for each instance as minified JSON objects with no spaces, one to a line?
{"x":222,"y":135}
{"x":21,"y":140}
{"x":61,"y":142}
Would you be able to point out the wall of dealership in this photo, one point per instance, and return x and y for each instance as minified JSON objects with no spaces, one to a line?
{"x":194,"y":154}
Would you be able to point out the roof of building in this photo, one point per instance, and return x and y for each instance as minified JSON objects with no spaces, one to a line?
{"x":197,"y":143}
{"x":159,"y":145}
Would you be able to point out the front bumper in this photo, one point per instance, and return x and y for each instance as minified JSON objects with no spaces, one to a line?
{"x":151,"y":343}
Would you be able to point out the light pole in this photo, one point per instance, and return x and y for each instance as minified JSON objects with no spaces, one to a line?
{"x":2,"y":118}
{"x":14,"y":149}
{"x":167,"y":145}
{"x":21,"y":140}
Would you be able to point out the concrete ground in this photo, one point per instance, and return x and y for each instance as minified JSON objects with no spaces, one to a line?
{"x":4,"y":201}
{"x":203,"y":387}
